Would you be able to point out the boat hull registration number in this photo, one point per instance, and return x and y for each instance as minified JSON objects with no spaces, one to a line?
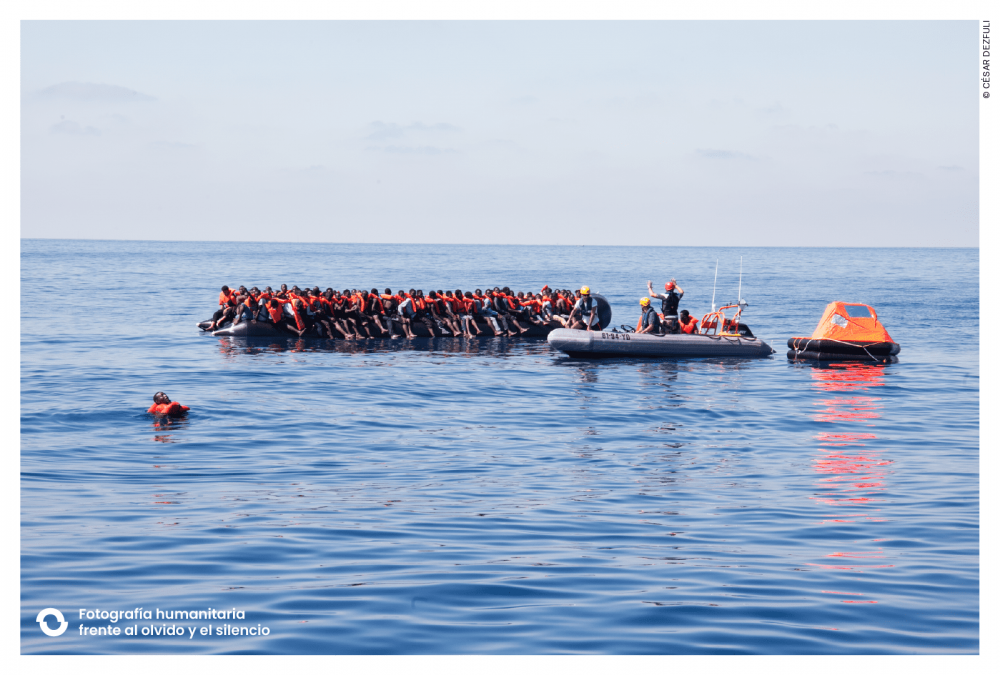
{"x":615,"y":336}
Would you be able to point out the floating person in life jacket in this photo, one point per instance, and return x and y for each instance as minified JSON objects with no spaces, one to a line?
{"x":649,"y":322}
{"x":162,"y":405}
{"x":670,"y":299}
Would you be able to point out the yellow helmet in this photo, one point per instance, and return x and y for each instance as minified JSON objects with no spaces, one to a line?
{"x":585,"y":290}
{"x":644,"y":302}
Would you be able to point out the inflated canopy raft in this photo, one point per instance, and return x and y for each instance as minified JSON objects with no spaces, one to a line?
{"x":847,"y":332}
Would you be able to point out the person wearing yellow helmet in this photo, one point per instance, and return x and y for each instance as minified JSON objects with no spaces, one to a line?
{"x":649,"y":322}
{"x":584,"y":314}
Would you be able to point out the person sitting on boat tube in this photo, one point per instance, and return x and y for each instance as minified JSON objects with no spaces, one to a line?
{"x":162,"y":405}
{"x":649,"y":322}
{"x":689,"y":324}
{"x":584,"y":314}
{"x":668,"y":307}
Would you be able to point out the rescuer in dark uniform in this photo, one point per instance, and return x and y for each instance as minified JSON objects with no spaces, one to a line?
{"x":668,"y":307}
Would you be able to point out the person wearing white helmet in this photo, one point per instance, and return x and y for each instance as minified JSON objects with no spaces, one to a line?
{"x":584,"y":314}
{"x":668,"y":307}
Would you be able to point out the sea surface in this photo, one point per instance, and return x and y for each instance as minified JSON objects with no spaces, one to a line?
{"x":453,"y":496}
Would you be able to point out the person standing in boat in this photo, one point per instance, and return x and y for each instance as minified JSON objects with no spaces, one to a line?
{"x":670,"y":300}
{"x":649,"y":322}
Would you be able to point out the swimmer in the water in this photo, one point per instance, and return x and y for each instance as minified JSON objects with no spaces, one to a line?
{"x":162,"y":405}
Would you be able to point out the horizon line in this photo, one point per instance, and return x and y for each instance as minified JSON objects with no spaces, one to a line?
{"x":427,"y":243}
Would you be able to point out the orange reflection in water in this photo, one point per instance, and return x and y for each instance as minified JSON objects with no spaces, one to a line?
{"x":852,"y":475}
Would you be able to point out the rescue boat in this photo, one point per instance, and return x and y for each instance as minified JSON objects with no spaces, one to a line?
{"x":846,"y":332}
{"x":736,"y":340}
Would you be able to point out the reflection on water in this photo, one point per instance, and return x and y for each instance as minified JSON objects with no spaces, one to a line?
{"x":853,"y":474}
{"x":231,"y":347}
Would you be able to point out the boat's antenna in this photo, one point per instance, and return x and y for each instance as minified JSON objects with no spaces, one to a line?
{"x":714,"y":282}
{"x":739,"y":293}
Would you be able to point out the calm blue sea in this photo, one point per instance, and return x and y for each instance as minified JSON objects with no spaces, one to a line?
{"x":494,"y":496}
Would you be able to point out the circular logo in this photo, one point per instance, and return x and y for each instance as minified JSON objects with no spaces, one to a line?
{"x":45,"y":627}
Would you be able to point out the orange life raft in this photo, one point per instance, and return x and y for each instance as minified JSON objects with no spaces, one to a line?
{"x":847,"y":332}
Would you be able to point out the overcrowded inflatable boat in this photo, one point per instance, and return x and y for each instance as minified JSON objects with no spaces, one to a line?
{"x":486,"y":324}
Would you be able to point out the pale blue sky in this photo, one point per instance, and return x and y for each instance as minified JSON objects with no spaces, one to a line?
{"x":685,"y":133}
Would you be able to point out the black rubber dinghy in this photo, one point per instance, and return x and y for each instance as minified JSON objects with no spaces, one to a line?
{"x":250,"y":329}
{"x":605,"y":344}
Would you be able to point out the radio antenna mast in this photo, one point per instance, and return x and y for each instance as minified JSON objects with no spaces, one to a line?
{"x":714,"y":282}
{"x":739,"y":293}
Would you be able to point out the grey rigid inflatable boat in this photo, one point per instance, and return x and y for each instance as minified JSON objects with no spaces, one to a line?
{"x":599,"y":344}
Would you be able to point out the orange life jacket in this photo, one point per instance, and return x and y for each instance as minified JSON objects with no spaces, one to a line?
{"x":173,"y":409}
{"x":691,"y":326}
{"x":298,"y":319}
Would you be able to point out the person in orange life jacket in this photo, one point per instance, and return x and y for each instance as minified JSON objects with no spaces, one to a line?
{"x":533,"y":306}
{"x":545,"y":308}
{"x":390,"y":316}
{"x":584,"y":314}
{"x":452,"y":309}
{"x":353,"y":306}
{"x":471,"y":308}
{"x":298,"y":321}
{"x":406,"y":309}
{"x":689,"y":324}
{"x":506,"y":305}
{"x":670,"y":299}
{"x":342,"y":303}
{"x":499,"y":309}
{"x":162,"y":405}
{"x":486,"y":310}
{"x":649,"y":322}
{"x":319,"y":317}
{"x":333,"y":315}
{"x":431,"y":305}
{"x":375,"y":310}
{"x":439,"y":311}
{"x":276,"y":314}
{"x":246,"y":309}
{"x":227,"y":303}
{"x":426,"y":314}
{"x":464,"y":309}
{"x":370,"y":307}
{"x":283,"y":292}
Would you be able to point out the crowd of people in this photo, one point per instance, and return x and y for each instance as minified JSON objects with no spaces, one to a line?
{"x":354,"y":314}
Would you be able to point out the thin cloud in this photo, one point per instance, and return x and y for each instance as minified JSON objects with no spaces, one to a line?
{"x":416,"y":150}
{"x":173,"y":145}
{"x":72,"y":128}
{"x":387,"y":130}
{"x":709,"y":153}
{"x":92,"y":93}
{"x":889,"y":173}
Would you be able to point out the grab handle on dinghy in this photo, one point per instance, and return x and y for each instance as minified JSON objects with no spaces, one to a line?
{"x":712,"y":321}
